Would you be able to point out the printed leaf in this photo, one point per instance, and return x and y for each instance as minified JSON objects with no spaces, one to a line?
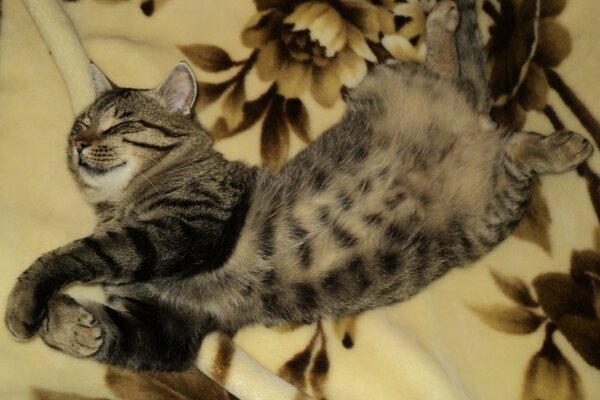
{"x":551,"y":376}
{"x":294,"y":370}
{"x":512,"y":57}
{"x":345,"y":329}
{"x":534,"y":225}
{"x":596,"y":295}
{"x":297,"y":117}
{"x":209,"y":92}
{"x":222,"y":362}
{"x":508,"y":319}
{"x":584,"y":335}
{"x":208,"y":57}
{"x":559,"y":295}
{"x":319,"y":370}
{"x":252,"y":111}
{"x":265,"y":4}
{"x":275,"y":139}
{"x":380,"y":52}
{"x":514,"y":288}
{"x":220,"y":130}
{"x":261,"y":28}
{"x":554,"y":43}
{"x":552,"y":8}
{"x":233,"y":104}
{"x":292,"y":78}
{"x":511,"y":114}
{"x":571,"y":307}
{"x":189,"y":385}
{"x":326,"y":85}
{"x":585,"y":265}
{"x":148,"y":7}
{"x":533,"y":93}
{"x":269,"y":61}
{"x":593,"y":185}
{"x":42,"y":394}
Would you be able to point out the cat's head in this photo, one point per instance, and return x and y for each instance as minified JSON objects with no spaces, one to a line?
{"x":125,"y":132}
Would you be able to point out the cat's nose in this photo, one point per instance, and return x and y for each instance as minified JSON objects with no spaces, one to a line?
{"x":80,"y":145}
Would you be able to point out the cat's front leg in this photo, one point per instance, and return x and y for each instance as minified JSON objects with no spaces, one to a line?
{"x":27,"y":302}
{"x":136,"y":253}
{"x":107,"y":257}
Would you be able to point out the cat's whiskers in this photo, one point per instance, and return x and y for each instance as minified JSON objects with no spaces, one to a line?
{"x":150,"y":182}
{"x":154,"y":160}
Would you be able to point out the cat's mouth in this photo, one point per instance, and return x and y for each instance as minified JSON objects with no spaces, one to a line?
{"x":98,"y":170}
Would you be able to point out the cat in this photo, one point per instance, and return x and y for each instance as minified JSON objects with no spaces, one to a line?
{"x":414,"y":180}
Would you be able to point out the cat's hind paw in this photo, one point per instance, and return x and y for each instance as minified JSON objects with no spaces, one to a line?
{"x":445,"y":13}
{"x":565,"y":150}
{"x":69,"y":327}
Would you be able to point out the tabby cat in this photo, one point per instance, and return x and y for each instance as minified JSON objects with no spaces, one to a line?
{"x":414,"y":180}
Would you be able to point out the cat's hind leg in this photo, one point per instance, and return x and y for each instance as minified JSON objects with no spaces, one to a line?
{"x":71,"y":328}
{"x":526,"y":154}
{"x":439,"y":32}
{"x":471,"y":55}
{"x":555,"y":153}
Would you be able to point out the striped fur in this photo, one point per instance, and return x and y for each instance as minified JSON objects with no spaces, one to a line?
{"x":414,"y":180}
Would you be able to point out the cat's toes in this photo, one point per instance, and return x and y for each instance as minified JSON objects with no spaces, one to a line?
{"x":446,"y":14}
{"x":23,"y":314}
{"x":427,"y":5}
{"x":566,"y":150}
{"x":71,"y":328}
{"x":486,"y":123}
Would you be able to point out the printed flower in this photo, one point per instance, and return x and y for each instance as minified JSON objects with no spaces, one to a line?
{"x":572,"y":303}
{"x":525,"y":40}
{"x":407,"y":41}
{"x":316,"y":47}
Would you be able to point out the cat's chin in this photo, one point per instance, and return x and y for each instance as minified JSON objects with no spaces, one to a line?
{"x":95,"y":170}
{"x":106,"y":184}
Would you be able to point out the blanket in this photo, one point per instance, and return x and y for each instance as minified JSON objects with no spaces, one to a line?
{"x":521,"y":323}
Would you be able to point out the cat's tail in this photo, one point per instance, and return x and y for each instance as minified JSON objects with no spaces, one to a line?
{"x":471,"y":55}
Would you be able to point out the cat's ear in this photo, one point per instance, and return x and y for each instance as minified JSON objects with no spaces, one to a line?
{"x":179,"y":90}
{"x":100,"y":82}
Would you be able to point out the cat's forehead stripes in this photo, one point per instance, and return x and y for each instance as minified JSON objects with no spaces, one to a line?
{"x":107,"y":100}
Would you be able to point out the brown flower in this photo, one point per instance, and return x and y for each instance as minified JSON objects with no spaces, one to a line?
{"x":300,"y":46}
{"x":550,"y":375}
{"x":525,"y":39}
{"x":313,"y":45}
{"x":407,"y":41}
{"x":572,"y":302}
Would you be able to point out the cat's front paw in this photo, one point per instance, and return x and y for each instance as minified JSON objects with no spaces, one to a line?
{"x":24,"y":311}
{"x":71,"y":328}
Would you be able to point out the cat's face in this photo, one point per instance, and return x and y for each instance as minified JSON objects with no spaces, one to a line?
{"x":127,"y":131}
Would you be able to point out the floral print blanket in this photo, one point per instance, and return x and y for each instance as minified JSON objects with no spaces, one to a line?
{"x":522,"y":323}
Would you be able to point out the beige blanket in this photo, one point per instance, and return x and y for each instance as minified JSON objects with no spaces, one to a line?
{"x":523,"y":322}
